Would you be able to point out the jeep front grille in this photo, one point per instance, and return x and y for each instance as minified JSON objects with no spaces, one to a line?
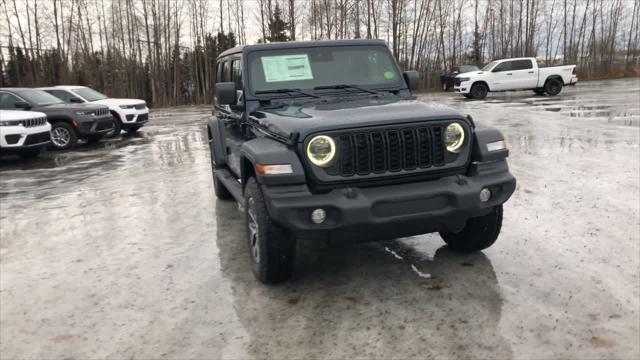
{"x":388,"y":150}
{"x":33,"y":122}
{"x":101,"y":112}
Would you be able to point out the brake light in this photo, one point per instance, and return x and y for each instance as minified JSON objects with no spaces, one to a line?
{"x":574,"y":71}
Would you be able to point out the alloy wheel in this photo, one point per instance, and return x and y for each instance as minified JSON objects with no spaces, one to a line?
{"x":60,"y":137}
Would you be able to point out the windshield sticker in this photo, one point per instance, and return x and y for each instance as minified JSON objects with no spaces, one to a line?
{"x":286,"y":68}
{"x":389,"y":75}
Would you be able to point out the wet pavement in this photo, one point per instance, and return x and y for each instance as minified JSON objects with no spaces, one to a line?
{"x":120,"y":250}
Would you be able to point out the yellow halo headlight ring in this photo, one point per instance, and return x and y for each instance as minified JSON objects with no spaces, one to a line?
{"x":321,"y":150}
{"x":454,"y":138}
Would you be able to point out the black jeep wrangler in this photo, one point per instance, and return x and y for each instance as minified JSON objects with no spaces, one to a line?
{"x":324,"y":141}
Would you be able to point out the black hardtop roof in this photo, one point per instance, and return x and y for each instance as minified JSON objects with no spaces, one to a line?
{"x":299,"y":44}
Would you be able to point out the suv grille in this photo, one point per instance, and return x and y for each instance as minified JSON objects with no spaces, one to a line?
{"x":33,"y":122}
{"x":101,"y":112}
{"x":389,"y":150}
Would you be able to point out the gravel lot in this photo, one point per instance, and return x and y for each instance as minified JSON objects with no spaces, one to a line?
{"x":120,"y":250}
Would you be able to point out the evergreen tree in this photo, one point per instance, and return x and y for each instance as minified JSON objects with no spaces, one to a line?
{"x":278,"y":27}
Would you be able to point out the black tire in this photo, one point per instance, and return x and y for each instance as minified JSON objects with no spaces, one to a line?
{"x":271,"y":248}
{"x":538,"y":91}
{"x":29,"y":153}
{"x":117,"y":127}
{"x":553,"y":86}
{"x":63,"y":136}
{"x":479,"y":91}
{"x":479,"y":233}
{"x":221,"y":191}
{"x":92,"y":139}
{"x":132,"y":130}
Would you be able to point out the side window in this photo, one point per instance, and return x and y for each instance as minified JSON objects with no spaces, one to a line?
{"x":61,"y":94}
{"x":226,"y":71}
{"x":505,"y":66}
{"x":219,"y":72}
{"x":8,"y":101}
{"x":236,"y":73}
{"x":522,"y":65}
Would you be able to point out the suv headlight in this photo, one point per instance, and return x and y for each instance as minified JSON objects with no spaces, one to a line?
{"x":321,"y":150}
{"x":463,"y":79}
{"x":454,"y":138}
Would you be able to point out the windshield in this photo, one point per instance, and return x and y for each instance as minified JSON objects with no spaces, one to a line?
{"x":39,"y":97}
{"x":308,"y":68}
{"x":89,"y":94}
{"x":489,"y":66}
{"x":468,"y":68}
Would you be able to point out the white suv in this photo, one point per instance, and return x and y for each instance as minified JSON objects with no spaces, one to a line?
{"x":23,"y":132}
{"x":129,"y":114}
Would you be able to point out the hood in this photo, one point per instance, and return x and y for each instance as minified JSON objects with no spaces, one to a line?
{"x":470,"y":73}
{"x":118,"y":102}
{"x":64,"y":107}
{"x":356,"y":113}
{"x":13,"y":115}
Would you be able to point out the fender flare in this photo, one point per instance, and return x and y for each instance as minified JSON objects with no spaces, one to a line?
{"x":267,"y":151}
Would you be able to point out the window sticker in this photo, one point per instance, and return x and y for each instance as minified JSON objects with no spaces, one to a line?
{"x":286,"y":68}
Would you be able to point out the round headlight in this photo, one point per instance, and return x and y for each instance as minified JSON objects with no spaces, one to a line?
{"x":454,"y":138}
{"x":321,"y":150}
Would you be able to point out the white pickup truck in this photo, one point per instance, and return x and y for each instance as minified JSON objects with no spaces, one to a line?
{"x":515,"y":74}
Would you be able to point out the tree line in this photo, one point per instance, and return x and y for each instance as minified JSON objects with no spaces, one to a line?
{"x":165,"y":50}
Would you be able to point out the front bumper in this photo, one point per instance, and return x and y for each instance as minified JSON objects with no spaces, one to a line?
{"x":20,"y":137}
{"x":463,"y":88}
{"x":366,"y":214}
{"x":94,"y":125}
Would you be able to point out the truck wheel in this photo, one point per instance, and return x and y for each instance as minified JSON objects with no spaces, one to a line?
{"x":538,"y":91}
{"x":479,"y":233}
{"x":479,"y":91}
{"x":553,"y":87}
{"x":271,"y":247}
{"x":221,"y":191}
{"x":63,"y":136}
{"x":29,"y":153}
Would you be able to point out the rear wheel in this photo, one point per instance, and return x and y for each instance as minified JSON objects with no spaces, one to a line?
{"x":553,"y":86}
{"x":479,"y":91}
{"x":271,"y":247}
{"x":479,"y":232}
{"x":63,"y":136}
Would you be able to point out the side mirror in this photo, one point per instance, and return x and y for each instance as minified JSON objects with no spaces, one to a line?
{"x":412,"y":78}
{"x":76,"y":100}
{"x":226,"y":93}
{"x":22,"y":105}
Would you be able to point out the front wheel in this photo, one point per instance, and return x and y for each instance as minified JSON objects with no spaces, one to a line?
{"x":553,"y":87}
{"x":117,"y":127}
{"x":479,"y":233}
{"x":271,"y":247}
{"x":63,"y":136}
{"x":479,"y":91}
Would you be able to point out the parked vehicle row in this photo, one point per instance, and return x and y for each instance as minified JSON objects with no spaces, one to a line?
{"x":71,"y":113}
{"x":508,"y":75}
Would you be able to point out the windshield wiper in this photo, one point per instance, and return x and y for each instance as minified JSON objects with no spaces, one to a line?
{"x":286,"y":91}
{"x":346,"y":87}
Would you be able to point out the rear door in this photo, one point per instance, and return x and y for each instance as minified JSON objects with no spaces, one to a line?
{"x":523,"y":75}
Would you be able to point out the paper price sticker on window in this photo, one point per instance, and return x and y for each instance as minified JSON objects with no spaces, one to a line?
{"x":286,"y":68}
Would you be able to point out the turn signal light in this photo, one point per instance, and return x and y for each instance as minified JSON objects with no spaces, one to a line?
{"x":274,"y":169}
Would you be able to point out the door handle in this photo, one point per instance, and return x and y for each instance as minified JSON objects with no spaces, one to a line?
{"x":530,"y":72}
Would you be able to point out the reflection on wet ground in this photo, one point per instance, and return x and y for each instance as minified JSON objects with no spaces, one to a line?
{"x":121,"y":250}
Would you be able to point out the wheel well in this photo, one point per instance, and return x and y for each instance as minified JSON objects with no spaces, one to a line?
{"x":558,"y":77}
{"x":247,"y":170}
{"x":115,"y":115}
{"x":59,"y":119}
{"x":481,"y":82}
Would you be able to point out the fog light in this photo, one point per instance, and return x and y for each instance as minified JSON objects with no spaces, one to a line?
{"x":485,"y":195}
{"x":318,"y":216}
